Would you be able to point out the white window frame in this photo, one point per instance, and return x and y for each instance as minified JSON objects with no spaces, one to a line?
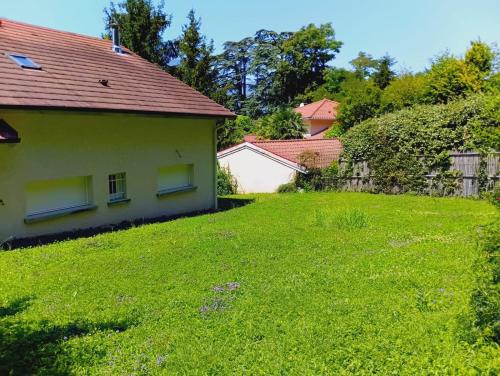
{"x":117,"y":187}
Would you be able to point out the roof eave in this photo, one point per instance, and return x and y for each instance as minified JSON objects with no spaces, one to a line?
{"x":10,"y":141}
{"x":118,"y":111}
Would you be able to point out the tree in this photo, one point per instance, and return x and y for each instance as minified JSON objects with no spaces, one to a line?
{"x":364,"y":65}
{"x":361,"y":102}
{"x":285,"y":124}
{"x":196,"y":63}
{"x":141,"y":26}
{"x":266,"y":56}
{"x":383,"y":74}
{"x":234,"y":64}
{"x":404,"y":91}
{"x":305,"y":57}
{"x":232,"y":131}
{"x":449,"y":78}
{"x":480,"y":58}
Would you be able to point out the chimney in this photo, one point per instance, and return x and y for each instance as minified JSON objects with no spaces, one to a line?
{"x":116,"y":38}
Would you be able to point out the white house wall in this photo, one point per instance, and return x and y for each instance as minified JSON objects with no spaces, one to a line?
{"x":255,"y":172}
{"x":65,"y":145}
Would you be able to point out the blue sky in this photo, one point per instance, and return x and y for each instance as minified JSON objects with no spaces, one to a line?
{"x":412,"y":31}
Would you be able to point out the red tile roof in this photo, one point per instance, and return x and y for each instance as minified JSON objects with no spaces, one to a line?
{"x":319,"y":135}
{"x":328,"y":150}
{"x":250,"y":138}
{"x":72,"y":66}
{"x":325,"y":109}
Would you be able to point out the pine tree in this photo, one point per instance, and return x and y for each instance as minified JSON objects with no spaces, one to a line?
{"x":196,"y":62}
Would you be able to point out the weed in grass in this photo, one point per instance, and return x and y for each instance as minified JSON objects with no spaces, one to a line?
{"x":346,"y":220}
{"x":220,"y":302}
{"x":351,"y":219}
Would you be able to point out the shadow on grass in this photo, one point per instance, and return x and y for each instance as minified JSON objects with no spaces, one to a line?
{"x":224,"y":204}
{"x":29,"y":347}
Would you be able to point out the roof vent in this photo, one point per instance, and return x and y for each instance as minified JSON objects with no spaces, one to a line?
{"x":116,"y":38}
{"x":104,"y":82}
{"x":302,"y":105}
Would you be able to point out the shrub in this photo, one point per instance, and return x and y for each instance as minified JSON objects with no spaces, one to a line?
{"x":485,"y":299}
{"x":402,"y":147}
{"x":285,"y":124}
{"x":226,"y":183}
{"x":287,"y":188}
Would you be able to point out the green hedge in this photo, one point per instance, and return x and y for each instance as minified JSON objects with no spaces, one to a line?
{"x":402,"y":147}
{"x":485,"y":299}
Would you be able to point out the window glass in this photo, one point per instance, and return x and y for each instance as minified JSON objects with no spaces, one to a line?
{"x":117,"y":187}
{"x":24,"y":61}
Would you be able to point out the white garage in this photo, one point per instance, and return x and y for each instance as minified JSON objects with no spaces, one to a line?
{"x":262,"y":166}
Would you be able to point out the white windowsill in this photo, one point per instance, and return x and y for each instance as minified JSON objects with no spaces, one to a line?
{"x":39,"y":217}
{"x":168,"y":192}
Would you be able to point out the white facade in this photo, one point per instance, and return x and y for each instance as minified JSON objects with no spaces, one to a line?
{"x":67,"y":171}
{"x":257,"y":170}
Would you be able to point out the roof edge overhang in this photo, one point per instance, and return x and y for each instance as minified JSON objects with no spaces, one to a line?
{"x":8,"y":135}
{"x":10,"y":141}
{"x":119,"y":111}
{"x":263,"y":152}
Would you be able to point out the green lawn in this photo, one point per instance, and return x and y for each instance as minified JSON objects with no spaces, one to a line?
{"x":322,"y":283}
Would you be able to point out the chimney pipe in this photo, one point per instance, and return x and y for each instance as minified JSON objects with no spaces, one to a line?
{"x":116,"y":38}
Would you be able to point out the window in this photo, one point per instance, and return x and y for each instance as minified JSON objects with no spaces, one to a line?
{"x":51,"y":196}
{"x":24,"y":62}
{"x":117,"y":187}
{"x":175,"y":178}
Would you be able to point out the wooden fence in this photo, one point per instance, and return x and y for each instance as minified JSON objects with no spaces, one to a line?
{"x":468,"y":182}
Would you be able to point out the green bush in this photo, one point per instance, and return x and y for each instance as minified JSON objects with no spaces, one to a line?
{"x":287,"y":188}
{"x":402,"y":147}
{"x":485,"y":299}
{"x":226,"y":183}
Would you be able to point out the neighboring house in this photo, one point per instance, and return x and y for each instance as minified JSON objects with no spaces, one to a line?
{"x":318,"y":117}
{"x":92,"y":134}
{"x":262,"y":166}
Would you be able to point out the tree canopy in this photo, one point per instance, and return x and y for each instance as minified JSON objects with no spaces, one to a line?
{"x":141,"y":26}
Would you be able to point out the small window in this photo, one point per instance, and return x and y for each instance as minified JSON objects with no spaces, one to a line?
{"x":24,"y":61}
{"x":117,"y":187}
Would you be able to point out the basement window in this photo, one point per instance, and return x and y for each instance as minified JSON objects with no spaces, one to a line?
{"x":175,"y":179}
{"x":117,"y":184}
{"x":55,"y":198}
{"x":24,"y":61}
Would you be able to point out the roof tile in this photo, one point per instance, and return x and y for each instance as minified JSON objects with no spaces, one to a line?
{"x":328,"y":150}
{"x":324,"y":109}
{"x":72,"y":66}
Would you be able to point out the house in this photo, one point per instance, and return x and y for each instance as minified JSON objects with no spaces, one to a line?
{"x":318,"y":117}
{"x":262,"y":166}
{"x":92,"y":134}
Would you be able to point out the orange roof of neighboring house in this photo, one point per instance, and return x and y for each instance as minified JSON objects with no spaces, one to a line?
{"x":328,"y":149}
{"x":81,"y":72}
{"x":250,"y":138}
{"x":325,"y":109}
{"x":319,"y":135}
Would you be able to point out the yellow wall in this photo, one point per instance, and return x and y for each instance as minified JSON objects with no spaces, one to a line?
{"x":56,"y":145}
{"x":316,"y":126}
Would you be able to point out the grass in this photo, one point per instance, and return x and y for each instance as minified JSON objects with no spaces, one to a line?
{"x":294,"y":284}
